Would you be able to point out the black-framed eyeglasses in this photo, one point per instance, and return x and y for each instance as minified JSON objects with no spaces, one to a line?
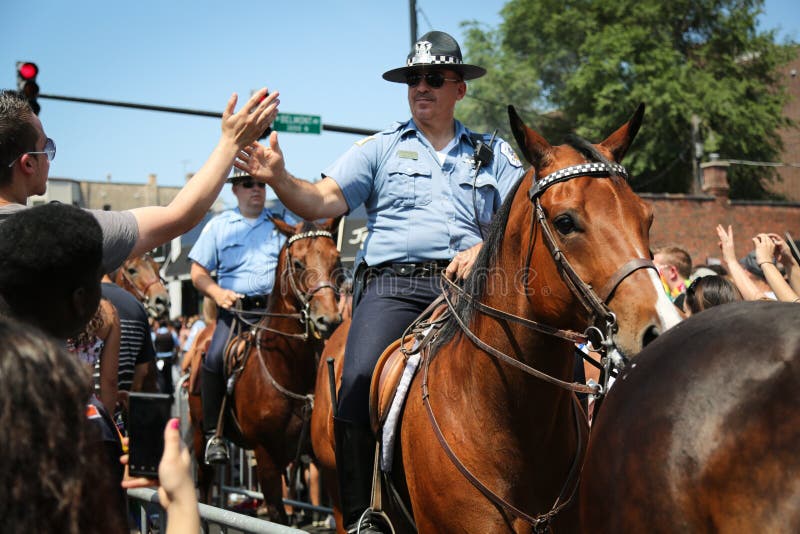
{"x":249,"y":184}
{"x":49,"y":150}
{"x":433,"y":79}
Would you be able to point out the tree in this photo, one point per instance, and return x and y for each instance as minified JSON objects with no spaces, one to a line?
{"x":590,"y":62}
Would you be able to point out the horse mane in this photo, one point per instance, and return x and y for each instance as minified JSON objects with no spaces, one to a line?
{"x":475,"y":284}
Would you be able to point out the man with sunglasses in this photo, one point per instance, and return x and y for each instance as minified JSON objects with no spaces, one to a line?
{"x":428,"y":205}
{"x":242,"y":245}
{"x":26,"y":153}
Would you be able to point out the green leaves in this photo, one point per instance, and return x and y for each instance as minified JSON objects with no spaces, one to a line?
{"x":584,"y":65}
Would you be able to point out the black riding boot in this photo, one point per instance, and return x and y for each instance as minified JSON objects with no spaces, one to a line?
{"x":212,"y":390}
{"x":355,"y":456}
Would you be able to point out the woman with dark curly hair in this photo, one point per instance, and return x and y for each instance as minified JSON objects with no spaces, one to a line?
{"x":51,"y":475}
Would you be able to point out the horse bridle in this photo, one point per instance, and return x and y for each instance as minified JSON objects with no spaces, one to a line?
{"x":141,"y":294}
{"x":595,"y":304}
{"x":304,"y":298}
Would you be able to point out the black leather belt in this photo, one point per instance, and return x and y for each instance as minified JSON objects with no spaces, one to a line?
{"x":254,"y":302}
{"x":417,"y":269}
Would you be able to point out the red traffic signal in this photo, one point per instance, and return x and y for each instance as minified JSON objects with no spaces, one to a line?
{"x":27,"y":71}
{"x":26,"y":83}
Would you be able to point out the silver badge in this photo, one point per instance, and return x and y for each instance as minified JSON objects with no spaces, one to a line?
{"x":422,"y":53}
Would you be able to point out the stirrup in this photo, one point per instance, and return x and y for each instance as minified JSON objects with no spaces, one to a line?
{"x":366,"y":525}
{"x":216,"y":451}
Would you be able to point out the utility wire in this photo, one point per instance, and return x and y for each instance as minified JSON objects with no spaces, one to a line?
{"x":424,"y":16}
{"x":762,"y":163}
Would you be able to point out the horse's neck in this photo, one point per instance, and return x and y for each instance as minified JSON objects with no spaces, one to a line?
{"x":544,"y":353}
{"x":296,"y":356}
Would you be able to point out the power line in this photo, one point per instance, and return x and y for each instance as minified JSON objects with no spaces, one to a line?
{"x":761,"y":163}
{"x":196,"y":112}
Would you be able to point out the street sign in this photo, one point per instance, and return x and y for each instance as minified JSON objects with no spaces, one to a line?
{"x":295,"y":123}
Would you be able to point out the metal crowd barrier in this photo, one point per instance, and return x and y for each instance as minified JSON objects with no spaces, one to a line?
{"x":239,"y":466}
{"x":209,"y":514}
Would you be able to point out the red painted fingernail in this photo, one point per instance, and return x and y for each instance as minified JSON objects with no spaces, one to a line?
{"x":175,"y":423}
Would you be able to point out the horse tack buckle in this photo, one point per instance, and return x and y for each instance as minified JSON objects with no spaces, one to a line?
{"x":542,"y":526}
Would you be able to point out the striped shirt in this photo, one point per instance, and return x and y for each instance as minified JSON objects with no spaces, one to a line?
{"x":135,"y":346}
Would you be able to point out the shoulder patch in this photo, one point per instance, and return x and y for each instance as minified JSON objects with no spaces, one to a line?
{"x":365,"y":140}
{"x":510,"y":155}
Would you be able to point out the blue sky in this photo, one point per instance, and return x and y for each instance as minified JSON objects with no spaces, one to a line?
{"x":325,"y":58}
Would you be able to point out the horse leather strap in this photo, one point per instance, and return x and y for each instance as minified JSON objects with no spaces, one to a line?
{"x":570,"y":386}
{"x":308,"y":399}
{"x":577,"y":286}
{"x":540,"y":521}
{"x":622,"y":273}
{"x":568,"y":335}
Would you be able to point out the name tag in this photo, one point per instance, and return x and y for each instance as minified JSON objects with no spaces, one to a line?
{"x":407,"y":154}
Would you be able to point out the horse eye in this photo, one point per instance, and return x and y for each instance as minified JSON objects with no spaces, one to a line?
{"x":131,"y":271}
{"x":564,"y":224}
{"x":298,"y":264}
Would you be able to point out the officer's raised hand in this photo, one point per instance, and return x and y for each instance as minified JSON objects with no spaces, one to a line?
{"x":263,"y":163}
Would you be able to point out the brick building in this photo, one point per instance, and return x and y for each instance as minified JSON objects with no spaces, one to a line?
{"x":789,"y":186}
{"x":690,"y":221}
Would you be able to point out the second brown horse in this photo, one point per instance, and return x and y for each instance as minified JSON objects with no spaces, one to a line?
{"x":273,"y":393}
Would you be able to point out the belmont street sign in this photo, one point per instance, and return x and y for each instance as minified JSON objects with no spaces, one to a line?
{"x":295,"y":123}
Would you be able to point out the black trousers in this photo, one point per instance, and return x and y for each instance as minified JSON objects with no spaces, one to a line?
{"x":388,"y":305}
{"x":216,"y":349}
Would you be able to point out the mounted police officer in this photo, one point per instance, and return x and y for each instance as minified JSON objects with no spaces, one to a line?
{"x":430,"y":187}
{"x":242,"y":245}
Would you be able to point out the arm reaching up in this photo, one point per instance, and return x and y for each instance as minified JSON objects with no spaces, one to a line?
{"x":320,"y":200}
{"x":159,"y":224}
{"x":743,"y":283}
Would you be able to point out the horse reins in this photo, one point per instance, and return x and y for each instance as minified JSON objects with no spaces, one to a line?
{"x":303,"y":297}
{"x":257,"y":330}
{"x":595,"y":304}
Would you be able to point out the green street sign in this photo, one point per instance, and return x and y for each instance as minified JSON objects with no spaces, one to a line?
{"x":295,"y":123}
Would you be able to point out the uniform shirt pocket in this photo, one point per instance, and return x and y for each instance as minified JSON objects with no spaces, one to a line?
{"x":409,"y":183}
{"x":231,"y":256}
{"x":487,"y":191}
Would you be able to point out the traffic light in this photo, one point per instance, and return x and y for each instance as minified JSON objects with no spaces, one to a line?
{"x":26,"y":83}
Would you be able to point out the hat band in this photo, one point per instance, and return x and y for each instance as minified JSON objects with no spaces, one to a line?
{"x":433,"y":60}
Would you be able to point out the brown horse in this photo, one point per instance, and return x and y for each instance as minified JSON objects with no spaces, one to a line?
{"x":491,"y":439}
{"x":272,"y":398}
{"x":141,"y":277}
{"x":701,"y":433}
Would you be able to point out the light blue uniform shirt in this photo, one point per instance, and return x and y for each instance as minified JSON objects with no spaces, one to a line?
{"x":244,"y":253}
{"x":419,"y":209}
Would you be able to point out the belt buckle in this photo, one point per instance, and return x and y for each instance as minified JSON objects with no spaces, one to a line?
{"x":405,"y":269}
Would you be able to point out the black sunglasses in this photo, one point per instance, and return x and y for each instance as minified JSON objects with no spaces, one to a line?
{"x":433,"y":79}
{"x":249,"y":184}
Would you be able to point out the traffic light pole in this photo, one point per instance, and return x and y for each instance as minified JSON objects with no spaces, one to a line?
{"x":185,"y":111}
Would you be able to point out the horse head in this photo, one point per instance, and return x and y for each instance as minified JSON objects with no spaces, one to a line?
{"x":597,"y":234}
{"x":309,"y":273}
{"x":141,"y":277}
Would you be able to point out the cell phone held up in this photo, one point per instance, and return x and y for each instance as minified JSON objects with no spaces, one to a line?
{"x":148,"y":414}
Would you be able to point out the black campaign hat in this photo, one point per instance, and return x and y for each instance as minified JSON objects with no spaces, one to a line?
{"x":434,"y":49}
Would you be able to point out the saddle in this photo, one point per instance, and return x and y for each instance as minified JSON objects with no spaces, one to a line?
{"x":234,"y":358}
{"x":393,"y":373}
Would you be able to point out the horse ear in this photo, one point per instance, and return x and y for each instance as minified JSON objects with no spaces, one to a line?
{"x":283,"y":227}
{"x":533,"y":146}
{"x":331,"y":225}
{"x":619,"y":142}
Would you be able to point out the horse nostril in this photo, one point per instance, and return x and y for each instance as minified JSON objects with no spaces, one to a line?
{"x":650,"y":335}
